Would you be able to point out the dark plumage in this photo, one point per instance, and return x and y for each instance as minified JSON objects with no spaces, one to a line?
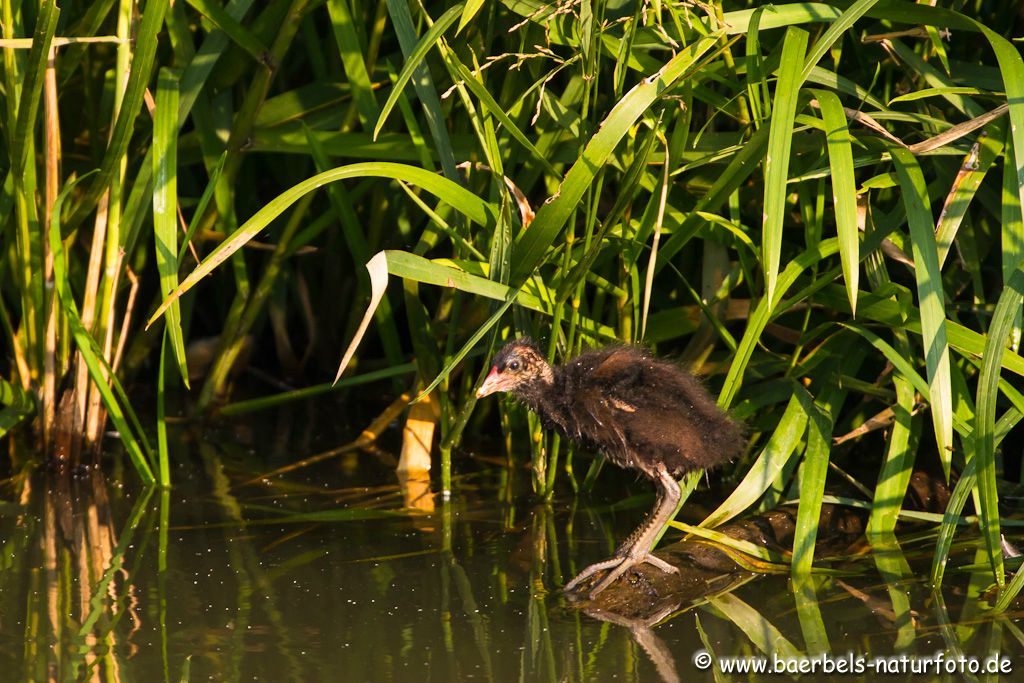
{"x":641,"y":412}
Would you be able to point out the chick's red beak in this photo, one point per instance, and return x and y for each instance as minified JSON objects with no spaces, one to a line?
{"x":494,"y":382}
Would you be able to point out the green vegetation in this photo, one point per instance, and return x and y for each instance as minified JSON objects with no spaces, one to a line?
{"x":816,"y":205}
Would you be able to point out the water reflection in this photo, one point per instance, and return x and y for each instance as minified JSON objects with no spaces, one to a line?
{"x":68,"y":579}
{"x":331,"y":573}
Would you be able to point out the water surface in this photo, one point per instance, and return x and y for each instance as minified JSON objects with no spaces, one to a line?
{"x":338,"y":571}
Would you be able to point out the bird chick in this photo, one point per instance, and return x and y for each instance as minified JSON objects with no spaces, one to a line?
{"x":642,"y":413}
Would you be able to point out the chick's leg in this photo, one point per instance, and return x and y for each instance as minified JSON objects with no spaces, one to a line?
{"x":637,"y":547}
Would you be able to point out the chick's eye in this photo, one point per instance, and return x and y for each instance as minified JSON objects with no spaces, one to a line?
{"x":513,"y":365}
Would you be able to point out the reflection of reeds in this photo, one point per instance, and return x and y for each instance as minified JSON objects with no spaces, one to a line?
{"x":83,"y":609}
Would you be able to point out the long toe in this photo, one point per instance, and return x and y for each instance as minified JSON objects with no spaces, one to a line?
{"x":660,"y":564}
{"x":624,"y":566}
{"x":590,"y":571}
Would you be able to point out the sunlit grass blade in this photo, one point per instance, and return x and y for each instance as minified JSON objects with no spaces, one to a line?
{"x":899,"y":360}
{"x":10,"y":417}
{"x":14,"y":396}
{"x":758,"y":94}
{"x":165,"y":207}
{"x":1010,"y":592}
{"x":163,"y":454}
{"x":742,"y":165}
{"x":355,"y":240}
{"x":494,"y":109}
{"x":969,"y":343}
{"x":31,"y":92}
{"x":844,"y":189}
{"x":1012,"y":222}
{"x":22,"y":180}
{"x":951,"y":517}
{"x":205,"y":59}
{"x":784,"y":15}
{"x":931,"y":299}
{"x":266,"y":402}
{"x":717,"y":537}
{"x":1011,"y":69}
{"x":470,"y":11}
{"x":776,"y":165}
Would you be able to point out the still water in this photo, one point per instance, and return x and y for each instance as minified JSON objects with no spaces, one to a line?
{"x":339,"y":572}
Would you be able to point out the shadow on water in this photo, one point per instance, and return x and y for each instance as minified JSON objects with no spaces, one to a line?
{"x":342,"y":572}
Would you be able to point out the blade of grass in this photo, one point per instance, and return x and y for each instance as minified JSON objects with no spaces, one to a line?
{"x":252,"y":405}
{"x":719,"y":538}
{"x":834,"y":32}
{"x":740,"y":168}
{"x":931,"y":299}
{"x":844,"y":189}
{"x":204,"y":201}
{"x":165,"y":207}
{"x":1012,"y":222}
{"x":972,"y":171}
{"x":352,"y":59}
{"x":812,"y":482}
{"x":355,"y":240}
{"x":378,"y":269}
{"x":494,"y":109}
{"x":414,"y":61}
{"x":776,"y":164}
{"x":238,"y":34}
{"x":401,"y":18}
{"x":894,"y":476}
{"x":1003,"y":320}
{"x":162,"y":450}
{"x":28,"y":105}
